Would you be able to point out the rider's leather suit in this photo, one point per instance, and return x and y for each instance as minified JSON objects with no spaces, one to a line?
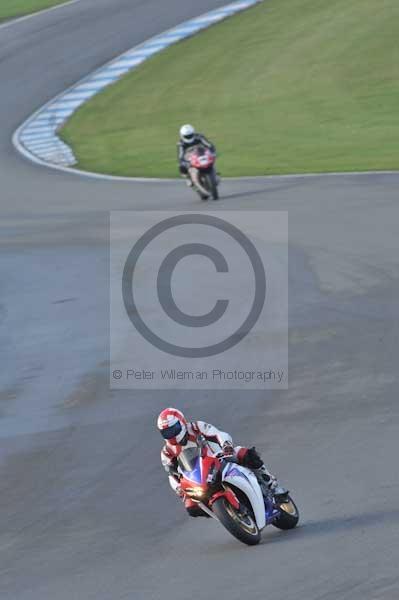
{"x":248,"y":457}
{"x":182,"y":148}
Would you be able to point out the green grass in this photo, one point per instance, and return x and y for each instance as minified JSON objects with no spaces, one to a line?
{"x":18,"y":8}
{"x":290,"y":86}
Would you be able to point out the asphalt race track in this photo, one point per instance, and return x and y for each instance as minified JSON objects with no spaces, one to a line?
{"x":85,"y":509}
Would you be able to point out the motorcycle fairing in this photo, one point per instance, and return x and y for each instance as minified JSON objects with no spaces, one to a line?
{"x":243,"y":479}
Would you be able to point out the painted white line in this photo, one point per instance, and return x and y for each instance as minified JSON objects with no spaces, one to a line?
{"x":38,"y":129}
{"x":89,"y":87}
{"x":160,"y":180}
{"x":67,"y":104}
{"x":68,"y":101}
{"x":177,"y":33}
{"x":42,"y":148}
{"x":46,"y":116}
{"x":37,"y":133}
{"x":131,"y":62}
{"x":158,"y":46}
{"x":118,"y":71}
{"x":77,"y":96}
{"x":34,"y":137}
{"x":41,"y":141}
{"x":37,"y":14}
{"x":50,"y":153}
{"x":108,"y":78}
{"x":207,"y":20}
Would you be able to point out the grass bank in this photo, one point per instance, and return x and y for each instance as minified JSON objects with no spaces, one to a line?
{"x":290,"y":86}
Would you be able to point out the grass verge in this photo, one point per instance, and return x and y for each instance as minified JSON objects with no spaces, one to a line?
{"x":290,"y":86}
{"x":18,"y":8}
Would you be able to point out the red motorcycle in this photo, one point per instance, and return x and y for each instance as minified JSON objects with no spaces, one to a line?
{"x":202,"y":171}
{"x":231,"y":494}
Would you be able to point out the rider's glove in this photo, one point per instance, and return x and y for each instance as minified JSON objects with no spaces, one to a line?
{"x":179,"y":491}
{"x":228,"y":449}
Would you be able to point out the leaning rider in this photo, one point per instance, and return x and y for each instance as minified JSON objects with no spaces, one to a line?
{"x":189,"y":138}
{"x":177,"y":432}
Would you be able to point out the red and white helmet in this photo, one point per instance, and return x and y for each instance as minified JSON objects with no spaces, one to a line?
{"x":173,"y":426}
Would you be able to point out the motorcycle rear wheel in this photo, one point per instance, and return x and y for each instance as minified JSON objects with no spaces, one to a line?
{"x":243,"y":527}
{"x":289,"y":515}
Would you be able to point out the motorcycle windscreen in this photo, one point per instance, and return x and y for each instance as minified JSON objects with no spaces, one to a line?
{"x":189,"y":458}
{"x":196,"y":149}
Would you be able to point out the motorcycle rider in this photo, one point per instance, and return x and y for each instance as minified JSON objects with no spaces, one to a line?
{"x":188,"y":138}
{"x":177,"y":432}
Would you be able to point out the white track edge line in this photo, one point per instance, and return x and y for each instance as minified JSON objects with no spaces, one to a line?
{"x":113,"y":178}
{"x":38,"y":13}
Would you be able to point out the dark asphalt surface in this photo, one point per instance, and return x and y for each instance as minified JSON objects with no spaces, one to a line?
{"x":85,"y":510}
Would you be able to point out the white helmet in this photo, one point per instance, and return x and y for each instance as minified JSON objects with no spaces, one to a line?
{"x":187,"y":133}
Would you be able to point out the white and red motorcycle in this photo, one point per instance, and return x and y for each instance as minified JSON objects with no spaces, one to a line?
{"x":231,"y":493}
{"x":202,"y":171}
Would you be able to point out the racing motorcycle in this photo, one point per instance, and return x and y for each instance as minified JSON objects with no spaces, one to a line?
{"x":231,"y":493}
{"x":202,"y":171}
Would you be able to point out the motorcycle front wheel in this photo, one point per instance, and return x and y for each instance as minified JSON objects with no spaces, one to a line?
{"x":212,"y":184}
{"x":241,"y":525}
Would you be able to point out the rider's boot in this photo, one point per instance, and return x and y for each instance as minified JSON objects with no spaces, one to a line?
{"x":269,"y":483}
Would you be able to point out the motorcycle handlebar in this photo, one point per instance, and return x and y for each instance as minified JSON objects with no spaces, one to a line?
{"x":229,"y":459}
